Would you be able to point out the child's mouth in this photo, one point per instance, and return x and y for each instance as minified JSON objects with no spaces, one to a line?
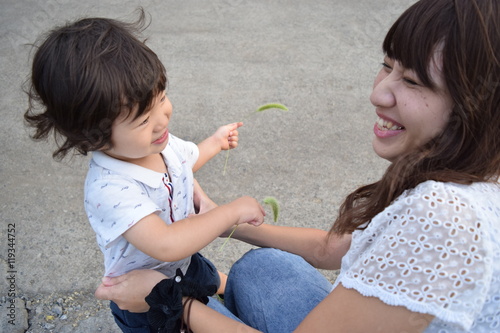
{"x":162,"y":138}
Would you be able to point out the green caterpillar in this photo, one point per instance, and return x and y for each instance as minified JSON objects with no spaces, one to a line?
{"x":271,"y":201}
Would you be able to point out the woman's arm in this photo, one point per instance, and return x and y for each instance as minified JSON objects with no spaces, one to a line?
{"x":207,"y":320}
{"x":128,"y":291}
{"x":314,"y":245}
{"x":346,"y":310}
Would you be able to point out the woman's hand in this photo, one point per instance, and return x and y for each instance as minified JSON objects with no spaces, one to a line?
{"x":128,"y":291}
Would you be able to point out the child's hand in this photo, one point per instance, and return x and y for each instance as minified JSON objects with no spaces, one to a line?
{"x":225,"y":138}
{"x":227,"y":135}
{"x":249,"y":211}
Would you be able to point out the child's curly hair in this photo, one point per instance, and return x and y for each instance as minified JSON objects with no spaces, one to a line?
{"x":84,"y":75}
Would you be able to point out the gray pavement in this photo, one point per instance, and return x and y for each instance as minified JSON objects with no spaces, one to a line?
{"x":224,"y":58}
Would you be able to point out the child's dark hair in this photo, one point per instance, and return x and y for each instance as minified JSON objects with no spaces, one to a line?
{"x":84,"y":75}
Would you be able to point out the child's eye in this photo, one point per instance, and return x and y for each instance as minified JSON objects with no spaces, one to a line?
{"x":145,"y":121}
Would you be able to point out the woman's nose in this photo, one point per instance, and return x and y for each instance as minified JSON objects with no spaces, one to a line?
{"x":383,"y":91}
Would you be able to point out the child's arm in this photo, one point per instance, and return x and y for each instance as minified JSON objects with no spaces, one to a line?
{"x":183,"y":238}
{"x":226,"y":137}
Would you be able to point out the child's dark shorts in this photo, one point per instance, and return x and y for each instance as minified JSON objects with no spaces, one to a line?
{"x":200,"y":270}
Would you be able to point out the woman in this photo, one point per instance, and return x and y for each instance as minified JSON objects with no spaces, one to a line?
{"x":418,"y":249}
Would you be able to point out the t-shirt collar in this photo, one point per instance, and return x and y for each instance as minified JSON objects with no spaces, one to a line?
{"x":141,"y":174}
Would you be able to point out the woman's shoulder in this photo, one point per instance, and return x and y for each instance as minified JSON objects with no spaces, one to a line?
{"x":440,"y":207}
{"x":487,"y":187}
{"x":434,"y":194}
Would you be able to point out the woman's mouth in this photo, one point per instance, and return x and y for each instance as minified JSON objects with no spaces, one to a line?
{"x":387,"y":125}
{"x":386,"y":128}
{"x":162,"y":139}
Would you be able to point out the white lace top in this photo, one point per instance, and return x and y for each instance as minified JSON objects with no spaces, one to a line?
{"x":434,"y":250}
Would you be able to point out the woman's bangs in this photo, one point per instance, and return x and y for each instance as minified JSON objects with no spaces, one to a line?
{"x":413,"y":38}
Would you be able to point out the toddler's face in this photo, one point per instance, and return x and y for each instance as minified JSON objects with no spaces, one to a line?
{"x":134,"y":140}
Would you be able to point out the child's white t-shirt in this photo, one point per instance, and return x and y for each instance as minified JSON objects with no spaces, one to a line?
{"x":119,"y":194}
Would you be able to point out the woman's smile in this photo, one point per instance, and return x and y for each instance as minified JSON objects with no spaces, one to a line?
{"x":386,"y":128}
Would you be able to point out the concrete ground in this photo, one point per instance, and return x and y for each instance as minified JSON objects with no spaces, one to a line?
{"x":224,"y":58}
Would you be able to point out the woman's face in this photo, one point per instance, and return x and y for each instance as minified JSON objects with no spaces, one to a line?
{"x":409,"y":113}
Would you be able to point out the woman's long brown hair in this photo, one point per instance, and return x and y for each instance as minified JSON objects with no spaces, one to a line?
{"x":468,"y":150}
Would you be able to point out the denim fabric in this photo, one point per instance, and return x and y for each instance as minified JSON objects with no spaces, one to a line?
{"x":219,"y":307}
{"x":201,"y":270}
{"x":273,"y":291}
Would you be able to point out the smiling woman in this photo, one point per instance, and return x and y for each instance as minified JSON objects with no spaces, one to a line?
{"x":410,"y":113}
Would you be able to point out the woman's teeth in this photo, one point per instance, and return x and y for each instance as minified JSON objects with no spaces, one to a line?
{"x":385,"y":125}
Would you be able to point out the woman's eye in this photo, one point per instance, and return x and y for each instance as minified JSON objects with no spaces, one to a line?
{"x":386,"y":65}
{"x":410,"y":81}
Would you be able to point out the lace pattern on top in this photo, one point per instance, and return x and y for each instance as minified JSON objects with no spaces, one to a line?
{"x":434,"y":250}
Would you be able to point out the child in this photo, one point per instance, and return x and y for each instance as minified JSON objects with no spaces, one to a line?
{"x":102,"y":90}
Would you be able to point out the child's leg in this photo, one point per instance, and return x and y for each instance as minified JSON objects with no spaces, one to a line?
{"x":202,"y":271}
{"x":130,"y":322}
{"x":223,"y":280}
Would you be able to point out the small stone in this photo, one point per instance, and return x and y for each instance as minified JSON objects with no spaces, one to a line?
{"x":57,"y":310}
{"x":49,"y":326}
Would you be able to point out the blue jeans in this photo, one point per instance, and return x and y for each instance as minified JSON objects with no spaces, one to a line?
{"x":200,"y":270}
{"x":273,"y":291}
